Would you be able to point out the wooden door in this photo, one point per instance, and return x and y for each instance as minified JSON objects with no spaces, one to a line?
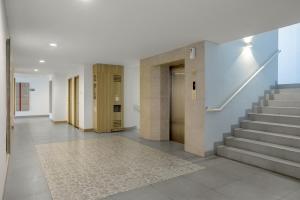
{"x":8,"y":96}
{"x":76,"y":101}
{"x":70,"y":101}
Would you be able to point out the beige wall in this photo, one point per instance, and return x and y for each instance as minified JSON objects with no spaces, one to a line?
{"x":155,"y":97}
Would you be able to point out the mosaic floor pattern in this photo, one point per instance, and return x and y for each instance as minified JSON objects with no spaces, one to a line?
{"x":95,"y":169}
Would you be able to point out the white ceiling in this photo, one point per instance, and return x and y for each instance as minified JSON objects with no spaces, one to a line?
{"x":122,"y":31}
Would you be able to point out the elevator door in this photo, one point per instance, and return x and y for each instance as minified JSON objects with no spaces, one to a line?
{"x":177,"y":104}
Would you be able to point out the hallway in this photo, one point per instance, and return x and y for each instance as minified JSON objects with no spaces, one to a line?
{"x":175,"y":174}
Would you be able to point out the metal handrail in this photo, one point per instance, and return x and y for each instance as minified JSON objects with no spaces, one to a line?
{"x":220,"y":108}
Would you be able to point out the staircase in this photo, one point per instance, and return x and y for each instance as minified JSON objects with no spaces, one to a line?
{"x":270,"y":137}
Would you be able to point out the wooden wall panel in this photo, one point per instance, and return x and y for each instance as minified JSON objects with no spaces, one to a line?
{"x":108,"y":97}
{"x":117,"y":98}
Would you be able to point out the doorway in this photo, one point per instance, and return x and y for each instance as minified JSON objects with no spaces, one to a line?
{"x":76,"y":102}
{"x":8,"y":97}
{"x":73,"y":101}
{"x":50,"y":96}
{"x":70,"y":101}
{"x":177,"y":110}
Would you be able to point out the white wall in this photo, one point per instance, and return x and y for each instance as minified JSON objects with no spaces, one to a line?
{"x":131,"y":95}
{"x":227,"y":67}
{"x":88,"y":97}
{"x":85,"y":73}
{"x":59,"y":97}
{"x":60,"y":89}
{"x":38,"y":99}
{"x":3,"y":111}
{"x":289,"y":59}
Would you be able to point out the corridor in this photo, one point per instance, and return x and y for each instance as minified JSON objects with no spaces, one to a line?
{"x":56,"y":161}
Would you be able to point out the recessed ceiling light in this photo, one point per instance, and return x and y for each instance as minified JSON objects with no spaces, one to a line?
{"x":52,"y":44}
{"x":42,"y":61}
{"x":248,"y":40}
{"x":36,"y":70}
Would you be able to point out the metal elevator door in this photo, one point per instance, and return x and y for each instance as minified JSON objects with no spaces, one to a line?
{"x":177,"y":104}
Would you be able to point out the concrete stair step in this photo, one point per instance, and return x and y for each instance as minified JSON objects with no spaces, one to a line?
{"x":280,"y":103}
{"x":275,"y":150}
{"x":270,"y":139}
{"x":289,"y":90}
{"x":271,"y":127}
{"x":280,"y":110}
{"x":275,"y":118}
{"x":283,"y":96}
{"x":274,"y":164}
{"x":275,"y":138}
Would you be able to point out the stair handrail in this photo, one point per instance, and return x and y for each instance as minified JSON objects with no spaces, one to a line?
{"x":221,"y":107}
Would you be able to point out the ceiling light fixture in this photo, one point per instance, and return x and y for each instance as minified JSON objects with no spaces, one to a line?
{"x":42,"y":61}
{"x":249,"y":45}
{"x":52,"y":44}
{"x":36,"y":70}
{"x":248,"y":40}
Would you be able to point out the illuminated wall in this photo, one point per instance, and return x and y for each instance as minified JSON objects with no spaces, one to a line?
{"x":289,"y":59}
{"x":227,"y":67}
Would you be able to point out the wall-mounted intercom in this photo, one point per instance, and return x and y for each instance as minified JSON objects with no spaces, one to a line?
{"x":192,"y":53}
{"x":194,"y":93}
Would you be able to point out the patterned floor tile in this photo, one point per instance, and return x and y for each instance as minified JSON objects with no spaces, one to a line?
{"x":97,"y":168}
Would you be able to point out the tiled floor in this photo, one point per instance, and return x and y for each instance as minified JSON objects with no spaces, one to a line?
{"x":221,"y":180}
{"x":98,"y":168}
